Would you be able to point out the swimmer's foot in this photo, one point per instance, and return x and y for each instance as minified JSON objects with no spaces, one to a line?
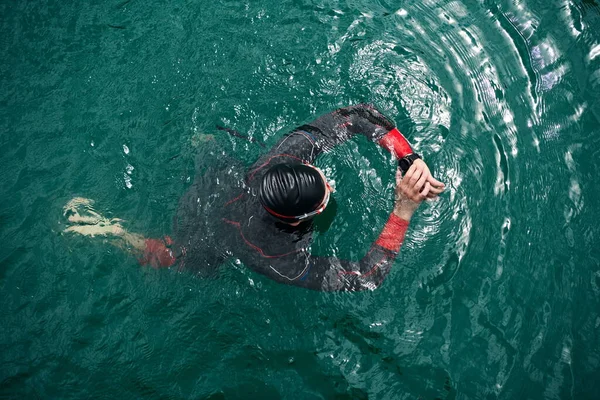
{"x":94,"y":230}
{"x":86,"y":221}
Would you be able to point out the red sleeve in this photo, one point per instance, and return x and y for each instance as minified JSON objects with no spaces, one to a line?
{"x":392,"y":235}
{"x":396,"y":143}
{"x":157,"y":254}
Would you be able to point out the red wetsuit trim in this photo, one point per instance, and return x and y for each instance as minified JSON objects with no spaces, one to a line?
{"x":396,"y":143}
{"x":233,"y":200}
{"x":157,"y":254}
{"x":393,"y":232}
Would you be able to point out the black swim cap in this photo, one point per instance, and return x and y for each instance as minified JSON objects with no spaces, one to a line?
{"x":291,"y":190}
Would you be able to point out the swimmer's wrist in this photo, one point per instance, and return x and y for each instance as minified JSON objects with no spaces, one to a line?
{"x":403,"y":212}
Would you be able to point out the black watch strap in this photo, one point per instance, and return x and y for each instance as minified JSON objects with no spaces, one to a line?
{"x":405,"y":162}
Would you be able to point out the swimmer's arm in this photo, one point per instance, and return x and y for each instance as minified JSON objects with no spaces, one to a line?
{"x":332,"y":274}
{"x":362,"y":119}
{"x":308,"y":141}
{"x":365,"y":119}
{"x":300,"y":145}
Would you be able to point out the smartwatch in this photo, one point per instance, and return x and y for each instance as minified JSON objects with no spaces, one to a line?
{"x":405,"y":162}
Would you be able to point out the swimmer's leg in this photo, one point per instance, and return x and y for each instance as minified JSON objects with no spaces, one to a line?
{"x":87,"y":222}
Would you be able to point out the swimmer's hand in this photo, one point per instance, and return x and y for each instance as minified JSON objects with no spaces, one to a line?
{"x":435,"y":187}
{"x":417,"y":185}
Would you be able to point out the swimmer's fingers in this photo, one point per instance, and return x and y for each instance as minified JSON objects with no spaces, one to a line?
{"x":420,"y":183}
{"x":417,"y":174}
{"x":431,"y":196}
{"x":435,"y":183}
{"x":425,"y":191}
{"x":402,"y":183}
{"x":410,"y":189}
{"x":412,"y":175}
{"x":435,"y":191}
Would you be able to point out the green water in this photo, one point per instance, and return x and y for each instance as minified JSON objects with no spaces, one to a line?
{"x":495,"y":294}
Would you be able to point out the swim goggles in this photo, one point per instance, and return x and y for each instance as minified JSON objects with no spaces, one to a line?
{"x":319,"y":210}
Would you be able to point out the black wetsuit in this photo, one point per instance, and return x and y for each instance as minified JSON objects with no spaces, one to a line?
{"x":221,"y":216}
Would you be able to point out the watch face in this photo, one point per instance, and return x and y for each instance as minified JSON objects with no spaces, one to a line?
{"x":404,"y":164}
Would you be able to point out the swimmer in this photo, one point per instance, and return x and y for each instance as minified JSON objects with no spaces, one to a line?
{"x":264,"y":219}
